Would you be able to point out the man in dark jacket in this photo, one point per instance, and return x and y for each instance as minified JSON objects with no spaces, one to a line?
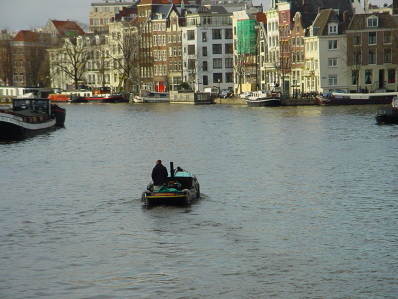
{"x":159,"y":175}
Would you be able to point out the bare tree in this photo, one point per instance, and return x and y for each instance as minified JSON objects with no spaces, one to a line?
{"x":72,"y":60}
{"x":194,"y":67}
{"x":101,"y":63}
{"x":245,"y":69}
{"x":125,"y":52}
{"x":283,"y":67}
{"x":6,"y":62}
{"x":35,"y":59}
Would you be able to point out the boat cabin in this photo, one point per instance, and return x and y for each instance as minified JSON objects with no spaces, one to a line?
{"x":33,"y":105}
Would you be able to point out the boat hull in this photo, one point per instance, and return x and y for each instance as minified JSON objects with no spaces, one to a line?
{"x":99,"y":99}
{"x":30,"y":116}
{"x":59,"y":114}
{"x":356,"y":99}
{"x":267,"y":102}
{"x":168,"y":198}
{"x":14,"y":126}
{"x":118,"y":99}
{"x":152,"y":97}
{"x":387,"y":116}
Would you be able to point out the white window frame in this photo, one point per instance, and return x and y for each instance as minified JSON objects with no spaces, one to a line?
{"x":332,"y":62}
{"x":332,"y":79}
{"x":332,"y":45}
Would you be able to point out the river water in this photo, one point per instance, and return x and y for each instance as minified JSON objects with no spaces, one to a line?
{"x":297,"y":202}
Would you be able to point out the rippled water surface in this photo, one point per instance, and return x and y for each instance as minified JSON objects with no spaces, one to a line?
{"x":298,"y":202}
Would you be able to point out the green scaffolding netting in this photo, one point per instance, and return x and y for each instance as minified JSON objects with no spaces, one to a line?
{"x":246,"y":36}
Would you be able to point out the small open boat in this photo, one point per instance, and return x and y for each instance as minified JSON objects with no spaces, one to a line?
{"x":181,"y":188}
{"x":30,"y":115}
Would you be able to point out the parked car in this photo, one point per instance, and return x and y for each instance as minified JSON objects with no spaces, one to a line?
{"x":225,"y":93}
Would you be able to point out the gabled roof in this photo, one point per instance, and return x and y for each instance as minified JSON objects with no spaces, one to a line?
{"x":26,"y":36}
{"x":178,"y":2}
{"x":163,"y":10}
{"x":213,"y":9}
{"x":386,"y":20}
{"x":323,"y":18}
{"x":63,"y":27}
{"x":115,"y":3}
{"x":312,"y":6}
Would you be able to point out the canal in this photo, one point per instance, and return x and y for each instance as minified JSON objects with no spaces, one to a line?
{"x":297,"y":202}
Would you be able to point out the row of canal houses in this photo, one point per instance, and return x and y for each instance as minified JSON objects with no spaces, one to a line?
{"x":298,"y":46}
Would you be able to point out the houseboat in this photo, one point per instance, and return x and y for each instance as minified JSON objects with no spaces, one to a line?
{"x":342,"y":98}
{"x":28,"y":116}
{"x":148,"y":96}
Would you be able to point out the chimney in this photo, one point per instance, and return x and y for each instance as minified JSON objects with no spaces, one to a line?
{"x":394,"y":7}
{"x":305,"y":6}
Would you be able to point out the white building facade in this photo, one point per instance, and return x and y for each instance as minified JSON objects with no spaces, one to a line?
{"x":207,"y":41}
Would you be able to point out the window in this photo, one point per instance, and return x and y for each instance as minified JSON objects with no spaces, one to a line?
{"x":205,"y":80}
{"x":354,"y":77}
{"x":368,"y":76}
{"x":216,"y":33}
{"x":333,"y":29}
{"x":228,"y":34}
{"x":229,"y":49}
{"x":191,"y":35}
{"x":229,"y":77}
{"x":217,"y":78}
{"x":229,"y":62}
{"x":332,"y":44}
{"x":357,"y":40}
{"x":191,"y":64}
{"x":391,"y":75}
{"x":332,"y":62}
{"x":387,"y":56}
{"x":191,"y":49}
{"x":372,"y":38}
{"x":387,"y":37}
{"x":357,"y":58}
{"x":204,"y":51}
{"x":205,"y":65}
{"x":372,"y":21}
{"x":332,"y":80}
{"x":217,"y":63}
{"x":372,"y":57}
{"x":217,"y":49}
{"x":204,"y":36}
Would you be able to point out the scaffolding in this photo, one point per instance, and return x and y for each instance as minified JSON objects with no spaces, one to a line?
{"x":246,"y":36}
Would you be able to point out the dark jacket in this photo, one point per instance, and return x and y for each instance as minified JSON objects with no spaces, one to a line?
{"x":159,"y":174}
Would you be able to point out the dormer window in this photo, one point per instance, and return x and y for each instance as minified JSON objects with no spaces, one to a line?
{"x":373,"y":21}
{"x":333,"y":28}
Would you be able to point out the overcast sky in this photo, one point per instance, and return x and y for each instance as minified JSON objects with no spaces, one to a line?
{"x":18,"y":15}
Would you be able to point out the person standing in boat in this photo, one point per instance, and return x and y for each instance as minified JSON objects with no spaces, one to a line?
{"x":159,"y":175}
